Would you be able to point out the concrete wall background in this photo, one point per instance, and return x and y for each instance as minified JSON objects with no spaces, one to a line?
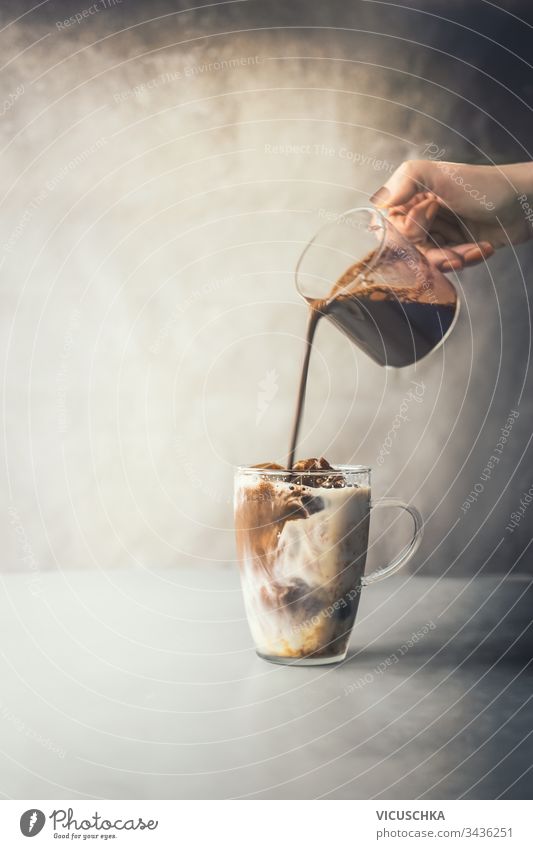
{"x":148,"y":235}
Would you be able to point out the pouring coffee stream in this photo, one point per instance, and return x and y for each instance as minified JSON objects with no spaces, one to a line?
{"x":312,"y":323}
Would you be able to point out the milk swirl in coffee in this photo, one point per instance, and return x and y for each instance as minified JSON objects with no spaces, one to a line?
{"x":302,"y":542}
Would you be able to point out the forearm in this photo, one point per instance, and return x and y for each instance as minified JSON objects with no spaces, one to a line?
{"x":520,"y":177}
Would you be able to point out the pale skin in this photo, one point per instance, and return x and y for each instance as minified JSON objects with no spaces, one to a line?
{"x":459,"y":214}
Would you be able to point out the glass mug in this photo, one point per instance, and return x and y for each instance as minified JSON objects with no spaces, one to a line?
{"x":302,"y":540}
{"x":376,"y":287}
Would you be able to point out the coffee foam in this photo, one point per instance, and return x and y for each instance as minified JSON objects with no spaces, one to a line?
{"x":381,"y":275}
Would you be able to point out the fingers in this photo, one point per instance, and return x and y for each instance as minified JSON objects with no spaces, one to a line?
{"x":440,"y":237}
{"x":415,"y":220}
{"x":442,"y":227}
{"x":444,"y":258}
{"x":473,"y":253}
{"x":409,"y":179}
{"x":403,"y":208}
{"x":419,"y":216}
{"x":447,"y":232}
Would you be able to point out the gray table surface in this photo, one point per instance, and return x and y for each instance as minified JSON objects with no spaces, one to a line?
{"x":144,"y":684}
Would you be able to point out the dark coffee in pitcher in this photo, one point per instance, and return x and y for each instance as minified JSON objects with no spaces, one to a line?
{"x":395,"y":324}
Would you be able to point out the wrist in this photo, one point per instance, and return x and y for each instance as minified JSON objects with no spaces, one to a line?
{"x":520,"y":177}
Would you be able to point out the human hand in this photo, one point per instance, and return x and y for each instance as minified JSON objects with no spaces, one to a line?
{"x":458,"y":214}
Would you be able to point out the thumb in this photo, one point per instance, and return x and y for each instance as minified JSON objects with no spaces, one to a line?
{"x":412,"y":176}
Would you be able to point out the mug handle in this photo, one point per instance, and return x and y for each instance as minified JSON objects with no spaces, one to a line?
{"x":407,"y":552}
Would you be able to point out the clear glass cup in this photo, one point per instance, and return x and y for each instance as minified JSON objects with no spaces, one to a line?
{"x":376,"y":287}
{"x":302,"y":540}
